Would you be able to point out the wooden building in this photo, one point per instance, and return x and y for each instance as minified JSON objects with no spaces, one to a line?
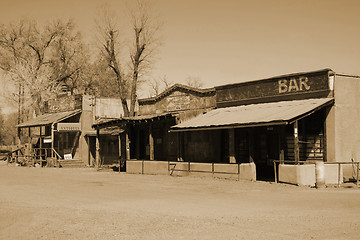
{"x":65,"y":133}
{"x":146,"y":136}
{"x":307,"y":116}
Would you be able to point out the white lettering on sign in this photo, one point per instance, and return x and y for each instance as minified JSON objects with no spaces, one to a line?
{"x":293,"y":85}
{"x":68,"y":127}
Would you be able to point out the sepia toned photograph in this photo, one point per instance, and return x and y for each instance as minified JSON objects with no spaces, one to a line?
{"x":169,"y":119}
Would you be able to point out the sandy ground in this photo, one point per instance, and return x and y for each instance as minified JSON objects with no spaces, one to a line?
{"x":44,"y":203}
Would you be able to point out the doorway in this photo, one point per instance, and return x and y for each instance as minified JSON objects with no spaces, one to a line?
{"x":266,"y":149}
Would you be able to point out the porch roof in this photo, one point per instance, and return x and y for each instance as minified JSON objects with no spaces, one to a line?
{"x":48,"y":119}
{"x":263,"y":114}
{"x":103,"y":123}
{"x":105,"y":131}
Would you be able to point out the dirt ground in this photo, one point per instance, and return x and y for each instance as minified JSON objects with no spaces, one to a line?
{"x":51,"y":203}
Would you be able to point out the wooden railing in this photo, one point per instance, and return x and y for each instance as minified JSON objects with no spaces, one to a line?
{"x":34,"y":156}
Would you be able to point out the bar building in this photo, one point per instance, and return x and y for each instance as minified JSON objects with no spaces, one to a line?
{"x":307,"y":116}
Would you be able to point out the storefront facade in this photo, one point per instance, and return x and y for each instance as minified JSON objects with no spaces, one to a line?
{"x":146,"y":136}
{"x":296,"y":117}
{"x":64,"y":133}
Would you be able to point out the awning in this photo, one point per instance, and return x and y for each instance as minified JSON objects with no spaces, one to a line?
{"x":103,"y":123}
{"x":264,"y":114}
{"x":105,"y":131}
{"x":48,"y":119}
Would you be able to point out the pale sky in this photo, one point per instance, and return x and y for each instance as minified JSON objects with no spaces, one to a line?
{"x":230,"y":41}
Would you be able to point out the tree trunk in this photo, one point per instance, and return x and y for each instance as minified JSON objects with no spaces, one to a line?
{"x":133,"y":90}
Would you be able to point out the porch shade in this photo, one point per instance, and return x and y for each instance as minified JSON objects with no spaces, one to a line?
{"x":104,"y":131}
{"x":48,"y":119}
{"x":263,"y":114}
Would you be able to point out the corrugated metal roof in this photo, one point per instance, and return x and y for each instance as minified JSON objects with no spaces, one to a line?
{"x":48,"y":119}
{"x":254,"y":114}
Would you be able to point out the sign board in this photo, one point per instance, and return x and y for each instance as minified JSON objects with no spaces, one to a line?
{"x":68,"y":156}
{"x":47,"y":140}
{"x":68,"y":127}
{"x":178,"y":102}
{"x":277,"y":87}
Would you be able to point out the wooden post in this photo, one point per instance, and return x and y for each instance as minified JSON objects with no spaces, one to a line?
{"x":338,"y":175}
{"x":137,"y":141}
{"x":179,"y":146}
{"x":97,"y":160}
{"x":59,"y":142}
{"x":31,"y":156}
{"x":275,"y":172}
{"x":357,"y":174}
{"x":281,"y":144}
{"x":88,"y":148}
{"x":251,"y":146}
{"x":40,"y":146}
{"x":296,"y":142}
{"x":151,"y":143}
{"x":119,"y":145}
{"x":52,"y":139}
{"x":119,"y":140}
{"x":19,"y":136}
{"x":232,"y":158}
{"x":127,"y":144}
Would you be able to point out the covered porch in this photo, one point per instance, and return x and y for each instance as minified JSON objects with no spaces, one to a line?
{"x":257,"y":133}
{"x":48,"y":138}
{"x":140,"y":138}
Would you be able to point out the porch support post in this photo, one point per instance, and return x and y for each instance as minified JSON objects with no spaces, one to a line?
{"x":282,"y":144}
{"x":232,"y":158}
{"x":89,"y":149}
{"x":179,"y":146}
{"x":127,"y":143}
{"x":18,"y":136}
{"x":251,"y":145}
{"x":151,"y":143}
{"x":52,"y":139}
{"x":97,"y":158}
{"x":30,"y":149}
{"x":119,"y":140}
{"x":137,"y":141}
{"x":296,"y":142}
{"x":40,"y":146}
{"x":29,"y":135}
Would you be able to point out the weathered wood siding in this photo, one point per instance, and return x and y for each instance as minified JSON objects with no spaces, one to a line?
{"x":290,"y":87}
{"x":179,"y":101}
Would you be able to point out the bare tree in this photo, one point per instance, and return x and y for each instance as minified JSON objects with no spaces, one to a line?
{"x":38,"y":58}
{"x":143,"y":46}
{"x":145,"y":29}
{"x":109,"y":39}
{"x":160,"y":84}
{"x":194,"y":82}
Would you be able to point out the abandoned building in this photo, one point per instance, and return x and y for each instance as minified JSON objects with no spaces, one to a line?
{"x":234,"y":131}
{"x":301,"y":117}
{"x":65,"y":131}
{"x":146,"y":136}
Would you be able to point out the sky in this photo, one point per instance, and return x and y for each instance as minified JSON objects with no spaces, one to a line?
{"x":229,"y":41}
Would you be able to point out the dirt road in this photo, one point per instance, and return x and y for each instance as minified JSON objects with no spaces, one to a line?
{"x":43,"y":203}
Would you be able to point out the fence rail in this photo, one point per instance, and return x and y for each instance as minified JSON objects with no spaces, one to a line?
{"x":33,"y":156}
{"x":173,"y":169}
{"x":353,"y":163}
